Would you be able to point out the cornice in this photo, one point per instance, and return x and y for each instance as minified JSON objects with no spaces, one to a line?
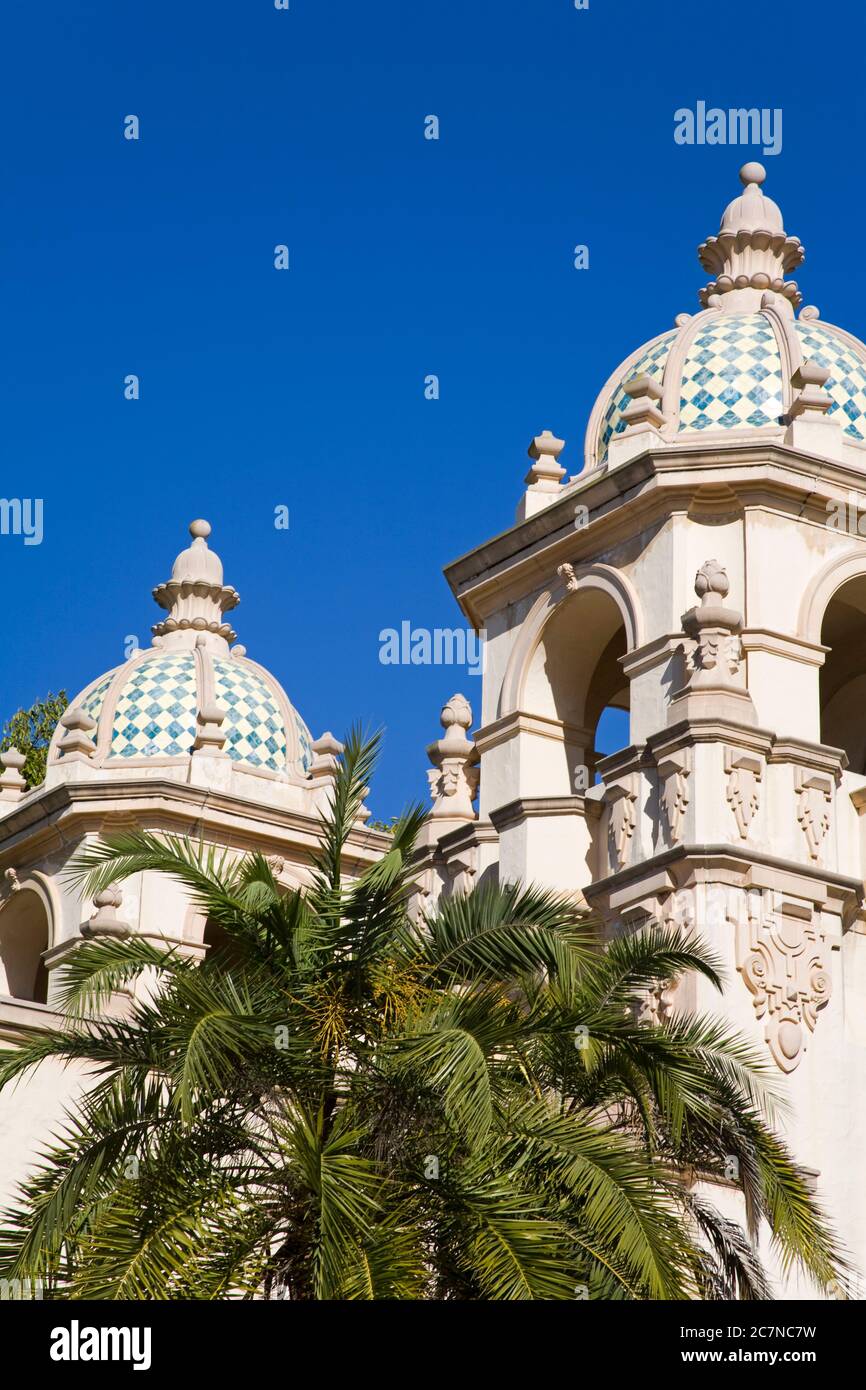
{"x":532,"y":807}
{"x":58,"y":817}
{"x":646,"y":490}
{"x":749,"y":865}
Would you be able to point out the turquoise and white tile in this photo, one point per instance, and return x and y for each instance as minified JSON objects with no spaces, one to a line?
{"x":156,"y":711}
{"x":847,"y":383}
{"x":651,"y":364}
{"x":732,"y":376}
{"x":253,"y":725}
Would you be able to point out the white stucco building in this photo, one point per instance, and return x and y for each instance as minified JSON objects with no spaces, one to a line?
{"x":703,"y":570}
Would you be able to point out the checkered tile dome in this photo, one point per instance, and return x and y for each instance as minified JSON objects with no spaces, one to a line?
{"x":148,"y":709}
{"x":845,"y":359}
{"x":729,"y":372}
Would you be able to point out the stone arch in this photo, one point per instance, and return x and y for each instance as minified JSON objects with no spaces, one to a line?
{"x":851,"y":564}
{"x":26,"y":933}
{"x":833,"y":614}
{"x":602,"y":578}
{"x":564,"y":670}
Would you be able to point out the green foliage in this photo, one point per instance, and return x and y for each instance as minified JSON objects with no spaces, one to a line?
{"x":30,"y":730}
{"x":343,"y":1104}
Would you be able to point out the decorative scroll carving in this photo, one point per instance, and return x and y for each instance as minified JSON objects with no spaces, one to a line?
{"x":780,"y":957}
{"x":744,"y":772}
{"x":814,"y":792}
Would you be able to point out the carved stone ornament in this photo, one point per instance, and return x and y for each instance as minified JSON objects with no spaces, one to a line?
{"x":9,"y":887}
{"x":462,"y":870}
{"x":454,"y":775}
{"x":621,"y":798}
{"x":106,"y":920}
{"x":744,"y":773}
{"x":716,"y":649}
{"x":655,"y":1004}
{"x":567,"y":574}
{"x":780,"y":955}
{"x":674,"y":772}
{"x":814,"y":792}
{"x":12,"y":783}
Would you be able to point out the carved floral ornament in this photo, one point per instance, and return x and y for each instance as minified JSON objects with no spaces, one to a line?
{"x":780,"y":955}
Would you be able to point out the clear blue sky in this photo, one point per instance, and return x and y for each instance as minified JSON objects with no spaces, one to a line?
{"x":408,"y":257}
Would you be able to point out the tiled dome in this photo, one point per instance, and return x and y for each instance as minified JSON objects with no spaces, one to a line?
{"x":845,"y":358}
{"x":732,"y":375}
{"x":651,"y":360}
{"x":736,"y":366}
{"x":155,"y":705}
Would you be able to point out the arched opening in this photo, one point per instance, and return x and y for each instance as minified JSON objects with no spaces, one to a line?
{"x":843,"y":675}
{"x":23,"y":942}
{"x":219,"y":944}
{"x":576,"y":678}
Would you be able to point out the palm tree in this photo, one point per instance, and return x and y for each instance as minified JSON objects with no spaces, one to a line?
{"x":339,"y":1104}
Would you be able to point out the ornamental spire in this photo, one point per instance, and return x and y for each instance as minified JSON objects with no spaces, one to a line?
{"x":751,"y":253}
{"x":195,"y":597}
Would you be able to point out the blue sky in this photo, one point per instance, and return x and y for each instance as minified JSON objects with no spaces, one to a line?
{"x":408,"y":257}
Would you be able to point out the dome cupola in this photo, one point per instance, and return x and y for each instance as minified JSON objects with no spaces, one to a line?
{"x":751,"y":360}
{"x":191,"y":696}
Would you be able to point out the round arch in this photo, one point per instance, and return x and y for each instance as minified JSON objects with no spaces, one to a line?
{"x":599,"y":578}
{"x":833,"y":614}
{"x":27,"y":932}
{"x":851,"y":564}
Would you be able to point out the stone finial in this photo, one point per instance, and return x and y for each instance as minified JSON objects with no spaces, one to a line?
{"x":811,"y":426}
{"x":711,"y":582}
{"x":544,"y":479}
{"x":454,"y":776}
{"x":714,"y":683}
{"x":12,"y":784}
{"x":105,"y":921}
{"x":326,"y":751}
{"x":78,"y":738}
{"x":752,"y":251}
{"x":546,"y":471}
{"x":210,"y":737}
{"x":195,"y":597}
{"x":643,"y":408}
{"x":810,"y":399}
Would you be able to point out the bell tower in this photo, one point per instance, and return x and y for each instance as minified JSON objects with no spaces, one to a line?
{"x":705,"y":571}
